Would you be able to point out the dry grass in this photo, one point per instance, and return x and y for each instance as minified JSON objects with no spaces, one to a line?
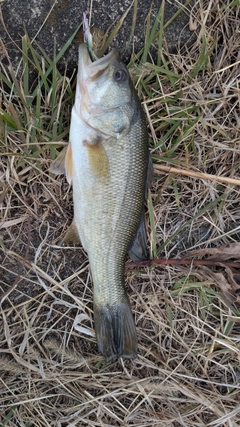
{"x":187,"y":372}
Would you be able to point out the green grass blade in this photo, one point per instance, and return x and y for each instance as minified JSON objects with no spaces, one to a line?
{"x":151,"y":34}
{"x":160,"y":35}
{"x":25,"y":69}
{"x":8,"y":119}
{"x":9,"y":416}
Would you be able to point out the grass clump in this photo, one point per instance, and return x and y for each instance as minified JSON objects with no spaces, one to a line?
{"x":36,"y":101}
{"x":187,"y":316}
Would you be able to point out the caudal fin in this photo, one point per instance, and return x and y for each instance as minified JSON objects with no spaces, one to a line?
{"x":115,"y":331}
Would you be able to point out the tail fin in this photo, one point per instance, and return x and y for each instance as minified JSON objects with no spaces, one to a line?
{"x":115,"y":330}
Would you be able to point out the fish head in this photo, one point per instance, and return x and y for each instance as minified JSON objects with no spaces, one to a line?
{"x":105,"y":96}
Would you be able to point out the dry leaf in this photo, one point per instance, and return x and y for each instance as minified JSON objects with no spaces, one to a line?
{"x":227,"y":281}
{"x":222,"y":253}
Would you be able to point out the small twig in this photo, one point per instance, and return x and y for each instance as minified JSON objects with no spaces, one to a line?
{"x":173,"y":261}
{"x":200,"y":175}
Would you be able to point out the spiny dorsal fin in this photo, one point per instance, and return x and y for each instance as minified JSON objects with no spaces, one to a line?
{"x":72,"y":234}
{"x":63,"y":163}
{"x":58,"y":165}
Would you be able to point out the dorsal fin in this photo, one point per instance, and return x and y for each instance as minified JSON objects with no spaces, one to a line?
{"x":58,"y":165}
{"x":71,"y":234}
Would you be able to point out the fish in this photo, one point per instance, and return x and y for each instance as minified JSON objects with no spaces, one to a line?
{"x":107,"y":162}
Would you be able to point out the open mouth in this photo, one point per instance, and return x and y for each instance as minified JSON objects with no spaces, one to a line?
{"x":94,"y":69}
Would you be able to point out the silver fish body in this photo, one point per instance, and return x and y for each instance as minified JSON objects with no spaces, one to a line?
{"x":107,"y":161}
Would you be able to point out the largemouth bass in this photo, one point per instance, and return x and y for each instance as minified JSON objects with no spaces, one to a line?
{"x":107,"y":161}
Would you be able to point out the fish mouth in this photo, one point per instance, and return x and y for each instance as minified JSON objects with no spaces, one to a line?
{"x":94,"y":69}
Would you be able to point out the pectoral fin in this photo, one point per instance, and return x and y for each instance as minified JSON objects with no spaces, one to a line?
{"x":97,"y":157}
{"x":63,"y":164}
{"x":138,"y":249}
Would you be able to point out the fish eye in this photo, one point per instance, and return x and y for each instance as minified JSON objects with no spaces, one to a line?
{"x":120,"y":75}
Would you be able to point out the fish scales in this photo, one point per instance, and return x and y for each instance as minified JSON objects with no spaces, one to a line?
{"x":108,"y":167}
